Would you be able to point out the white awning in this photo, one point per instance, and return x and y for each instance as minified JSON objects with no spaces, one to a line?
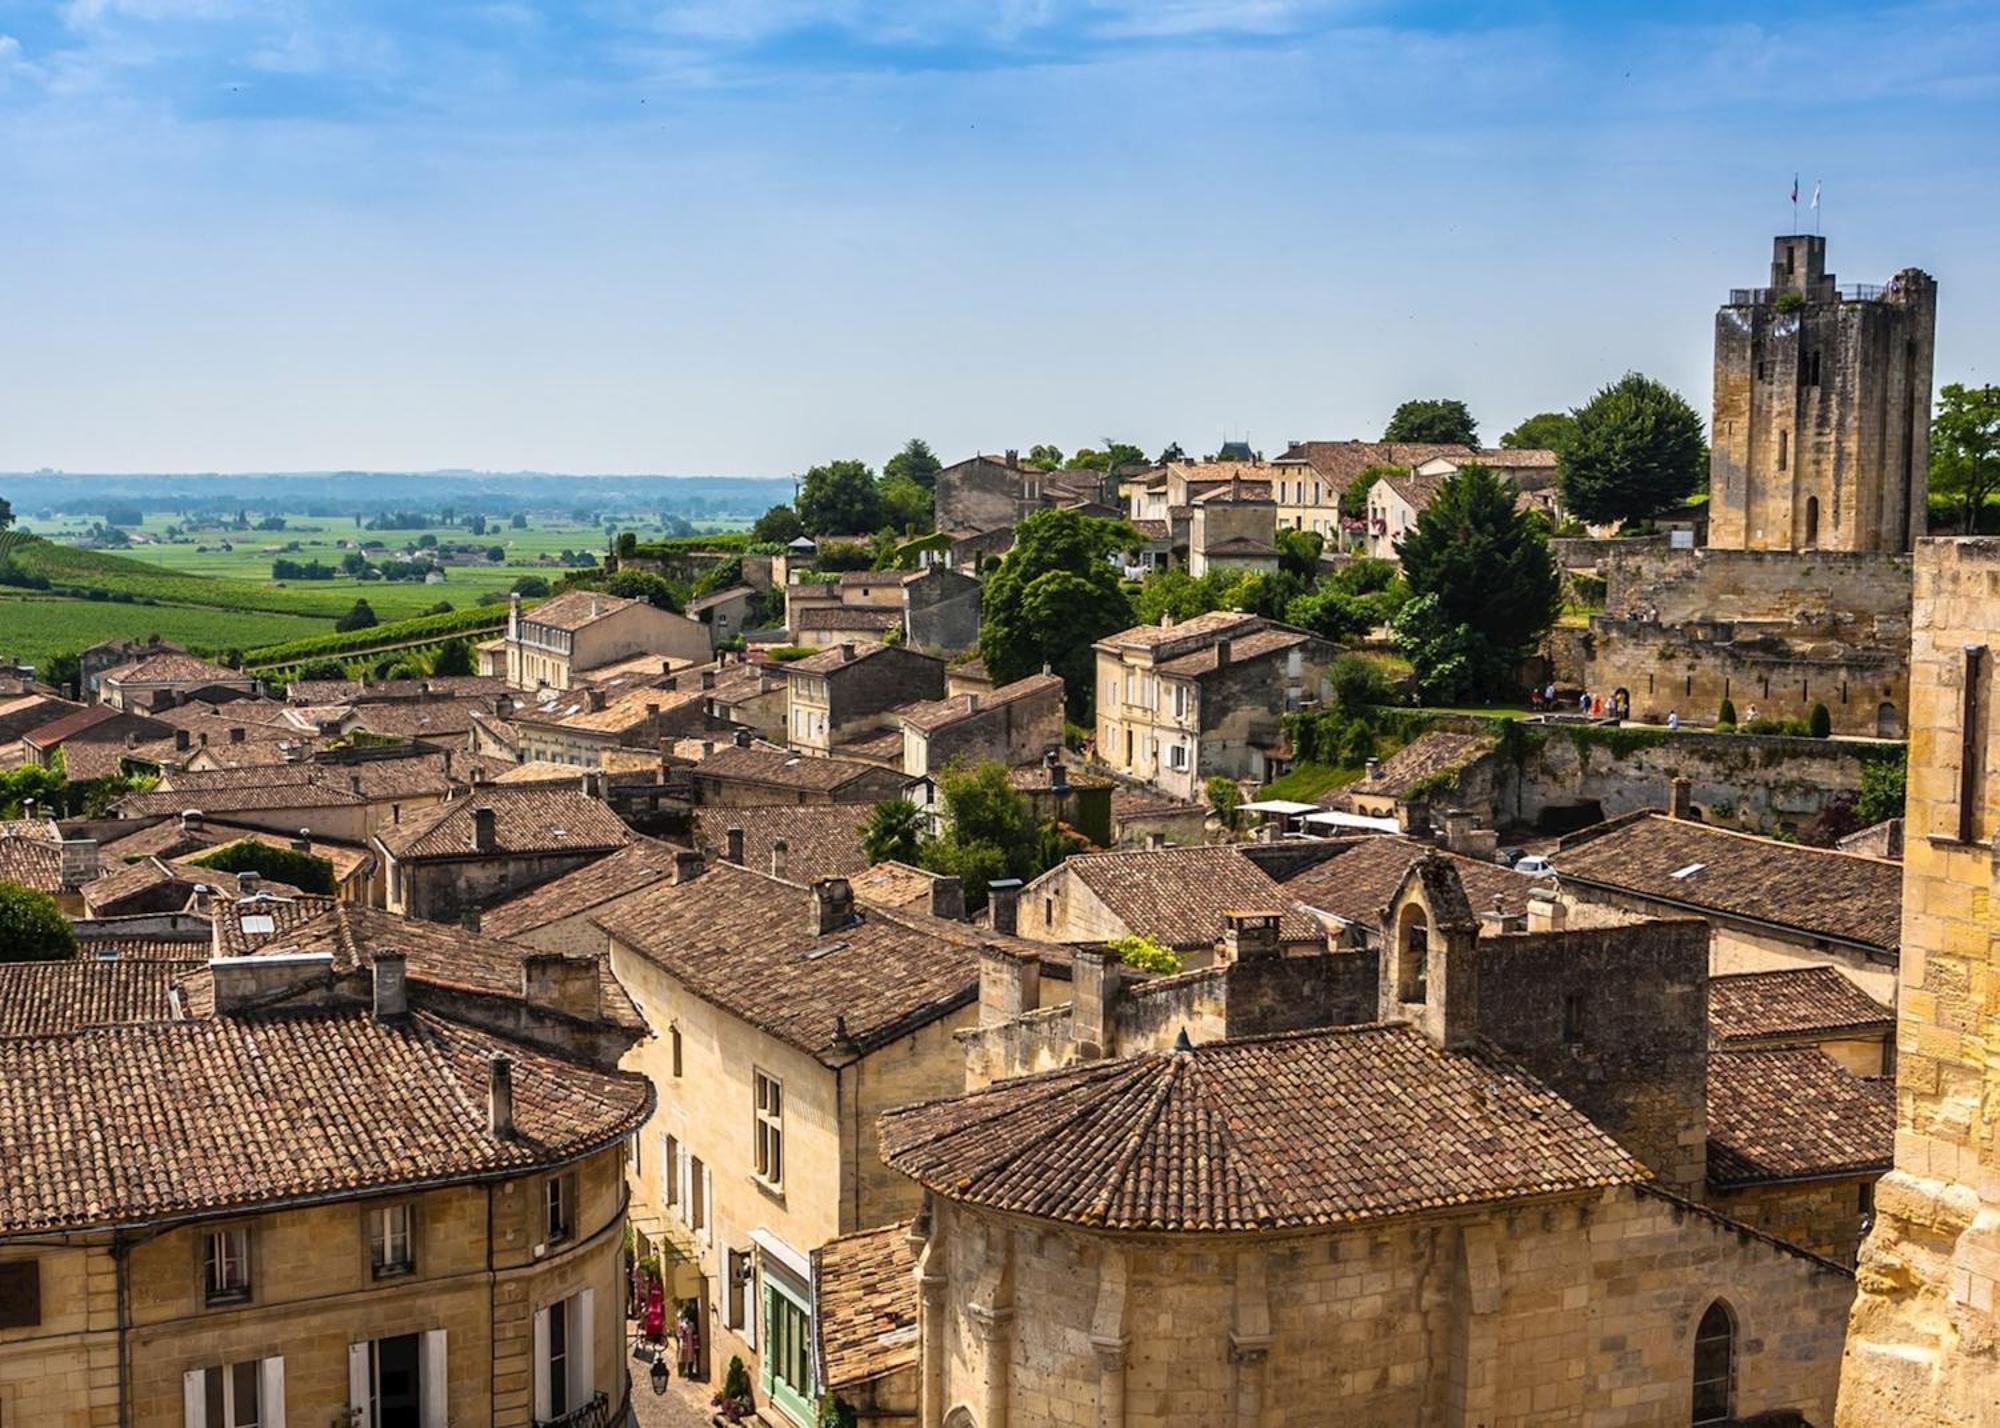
{"x":1279,"y":805}
{"x":1353,"y":820}
{"x":776,"y":1249}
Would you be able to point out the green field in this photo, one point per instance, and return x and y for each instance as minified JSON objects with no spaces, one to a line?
{"x":37,"y":627}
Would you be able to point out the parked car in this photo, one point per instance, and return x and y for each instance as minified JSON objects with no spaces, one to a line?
{"x":1534,"y":865}
{"x":1508,"y":857}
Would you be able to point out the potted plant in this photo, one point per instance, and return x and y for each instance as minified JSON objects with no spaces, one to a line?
{"x":734,"y":1400}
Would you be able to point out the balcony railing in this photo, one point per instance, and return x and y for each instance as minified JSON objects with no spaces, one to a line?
{"x":594,"y":1414}
{"x":1848,"y":292}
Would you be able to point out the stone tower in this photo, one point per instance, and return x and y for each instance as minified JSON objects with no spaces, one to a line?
{"x":1821,"y":436}
{"x":1923,"y":1342}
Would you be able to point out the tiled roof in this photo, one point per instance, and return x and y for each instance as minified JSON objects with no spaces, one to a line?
{"x":875,"y":746}
{"x":1341,"y":461}
{"x":845,"y":617}
{"x":1179,"y":895}
{"x":56,"y":998}
{"x":32,"y":711}
{"x":879,"y":577}
{"x":531,"y":819}
{"x":1355,"y":886}
{"x":1438,"y":752}
{"x":1793,"y":1002}
{"x":641,"y":863}
{"x":438,"y":954}
{"x":1034,"y":778}
{"x":373,"y":779}
{"x":132,"y":1123}
{"x":573,"y":609}
{"x":432,"y":719}
{"x":76,"y":721}
{"x":251,"y":797}
{"x":353,"y":691}
{"x":1139,"y":802}
{"x":1794,"y":1113}
{"x":32,"y":863}
{"x":720,"y":597}
{"x":783,"y":769}
{"x":866,"y":1285}
{"x":1213,"y":624}
{"x":1812,"y":890}
{"x":143,"y":938}
{"x":1151,"y":530}
{"x":148,"y":881}
{"x":821,"y":840}
{"x":1314,"y":1128}
{"x":246,"y":924}
{"x":172,"y":669}
{"x":934,"y":714}
{"x":1259,"y":644}
{"x":835,"y":657}
{"x":894,"y":884}
{"x":746,"y":943}
{"x":540,"y":771}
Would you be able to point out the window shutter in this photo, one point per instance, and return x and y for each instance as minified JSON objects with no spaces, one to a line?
{"x":541,"y":1374}
{"x":583,"y":1348}
{"x":434,"y":1373}
{"x":681,"y":1176}
{"x":194,"y":1396}
{"x":271,"y":1387}
{"x":707,"y":1198}
{"x":764,"y":1365}
{"x":358,"y":1384}
{"x":746,"y":1306}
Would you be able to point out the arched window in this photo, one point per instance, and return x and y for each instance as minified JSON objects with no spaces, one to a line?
{"x":1812,"y":521}
{"x":1412,"y":953}
{"x":1715,"y":1365}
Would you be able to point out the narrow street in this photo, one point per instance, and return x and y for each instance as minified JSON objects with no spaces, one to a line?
{"x":683,"y":1405}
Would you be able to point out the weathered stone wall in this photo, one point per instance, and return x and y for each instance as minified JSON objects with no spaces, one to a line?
{"x":1924,"y":1345}
{"x":981,"y":495}
{"x":1017,"y":732}
{"x":435,"y":891}
{"x":1242,"y":708}
{"x":1823,"y":1216}
{"x":1858,"y":596}
{"x":941,"y":611}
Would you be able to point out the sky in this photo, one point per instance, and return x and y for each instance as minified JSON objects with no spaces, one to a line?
{"x":742,"y":238}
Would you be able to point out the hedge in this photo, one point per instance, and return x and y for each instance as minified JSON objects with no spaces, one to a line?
{"x":393,"y":632}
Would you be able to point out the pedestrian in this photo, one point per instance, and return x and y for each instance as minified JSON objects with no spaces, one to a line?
{"x":1750,"y":715}
{"x":1673,"y":719}
{"x":1583,"y":702}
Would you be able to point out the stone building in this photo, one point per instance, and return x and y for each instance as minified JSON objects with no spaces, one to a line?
{"x":1178,"y":704}
{"x":1821,"y":434}
{"x":1924,"y":1343}
{"x":1400,"y":1221}
{"x":855,"y":688}
{"x":1233,"y":529}
{"x":555,"y":917}
{"x":558,"y":640}
{"x":748,"y":777}
{"x":311,"y":1193}
{"x":1017,"y":723}
{"x":159,"y":681}
{"x":1813,"y":1007}
{"x":455,"y":858}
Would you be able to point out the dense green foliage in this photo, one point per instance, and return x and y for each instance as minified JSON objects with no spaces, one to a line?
{"x":1440,"y":420}
{"x":915,"y":463}
{"x":990,"y":832}
{"x":307,"y":872}
{"x":1224,"y":798}
{"x":1354,"y":497}
{"x":780,"y":525}
{"x":360,"y":617}
{"x":32,"y":927}
{"x":1144,"y":953}
{"x":1819,"y":723}
{"x":425,"y":627}
{"x":839,"y":498}
{"x":1725,"y":717}
{"x":1054,"y":595}
{"x":1484,"y":589}
{"x":893,"y":831}
{"x":1884,"y":786}
{"x":1544,"y":431}
{"x":1636,"y":449}
{"x":655,"y":590}
{"x":1965,"y":449}
{"x":453,"y":659}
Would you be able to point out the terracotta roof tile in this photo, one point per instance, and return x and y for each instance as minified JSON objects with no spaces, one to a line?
{"x":1341,"y":461}
{"x":827,"y":661}
{"x":1259,"y":644}
{"x":934,"y":714}
{"x":846,"y":617}
{"x":1794,"y":1002}
{"x":781,"y":768}
{"x":821,"y":840}
{"x":1315,"y":1128}
{"x":1814,"y":890}
{"x":131,"y":1123}
{"x":893,"y":884}
{"x":172,"y":669}
{"x":1794,"y":1113}
{"x":1212,"y":625}
{"x":32,"y":863}
{"x":57,"y":998}
{"x":1429,"y":755}
{"x":246,"y":924}
{"x":866,"y":1285}
{"x":1179,"y":895}
{"x":530,"y":819}
{"x":1358,"y":884}
{"x":30,"y":712}
{"x":641,"y":863}
{"x":573,"y":609}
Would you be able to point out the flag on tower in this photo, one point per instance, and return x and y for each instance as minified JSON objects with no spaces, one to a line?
{"x":1815,"y":197}
{"x":1795,"y":188}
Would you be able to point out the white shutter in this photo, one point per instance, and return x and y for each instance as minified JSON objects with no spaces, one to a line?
{"x":583,"y":1347}
{"x":271,"y":1387}
{"x":707,"y":1200}
{"x":746,"y":1305}
{"x":541,"y":1365}
{"x":194,"y":1397}
{"x":435,"y":1376}
{"x":681,"y":1182}
{"x":358,"y":1378}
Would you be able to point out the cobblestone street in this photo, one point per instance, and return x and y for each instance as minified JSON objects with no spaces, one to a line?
{"x":683,"y":1405}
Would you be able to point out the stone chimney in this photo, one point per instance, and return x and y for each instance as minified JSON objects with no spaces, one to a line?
{"x":304,"y":842}
{"x":1460,"y":832}
{"x":1155,"y":841}
{"x":741,"y":738}
{"x":708,"y":679}
{"x":354,"y":783}
{"x":242,"y":983}
{"x":469,"y":920}
{"x":1013,"y":459}
{"x":779,"y":860}
{"x":653,"y":711}
{"x":1546,"y":912}
{"x":392,"y":997}
{"x":1221,"y":653}
{"x":832,"y":905}
{"x":78,"y":861}
{"x":183,"y":741}
{"x":687,"y":865}
{"x":1249,"y":936}
{"x":1374,"y":770}
{"x":1003,"y":902}
{"x":484,"y":838}
{"x":558,"y":982}
{"x":948,"y":899}
{"x":1009,"y":985}
{"x":1095,"y":985}
{"x":972,"y":702}
{"x":500,"y":1093}
{"x":734,"y":842}
{"x":847,"y":652}
{"x":1496,"y":920}
{"x":246,"y":883}
{"x":1680,"y":802}
{"x":595,"y":699}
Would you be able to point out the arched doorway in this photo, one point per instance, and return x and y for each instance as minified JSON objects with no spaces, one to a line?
{"x":1413,"y":937}
{"x":1812,"y":521}
{"x":1888,"y":724}
{"x":1715,"y":1365}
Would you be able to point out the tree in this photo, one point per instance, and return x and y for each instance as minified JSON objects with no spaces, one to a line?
{"x":1965,"y":449}
{"x":1146,"y":954}
{"x":1884,"y":786}
{"x":906,"y":505}
{"x":916,"y":462}
{"x":1443,"y":421}
{"x":32,"y":927}
{"x":1178,"y":595}
{"x":1485,"y":587}
{"x":453,"y":658}
{"x":530,"y":587}
{"x":839,"y":498}
{"x":6,"y":513}
{"x":1819,"y":722}
{"x":628,"y":544}
{"x":1055,"y":595}
{"x":360,"y":616}
{"x":1354,"y":498}
{"x":519,"y":520}
{"x":496,"y":553}
{"x":1171,"y":454}
{"x":1544,"y":431}
{"x":893,"y":830}
{"x":991,"y":831}
{"x":655,"y":590}
{"x":1044,"y":457}
{"x":778,"y":526}
{"x":1224,"y":798}
{"x":1298,"y":552}
{"x":1636,"y":449}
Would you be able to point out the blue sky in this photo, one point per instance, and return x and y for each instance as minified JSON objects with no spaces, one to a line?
{"x":744,"y":237}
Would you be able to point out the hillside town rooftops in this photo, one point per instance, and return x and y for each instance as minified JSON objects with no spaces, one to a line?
{"x":1794,"y":1113}
{"x":781,"y":768}
{"x":575,"y":609}
{"x":1319,"y":1128}
{"x":1792,"y":1002}
{"x":1179,"y":896}
{"x":934,"y":714}
{"x":641,"y":863}
{"x":821,"y":840}
{"x":58,"y":998}
{"x":529,"y":819}
{"x":1426,"y":757}
{"x":1258,"y":644}
{"x":172,"y":669}
{"x":846,"y":617}
{"x":1214,"y":623}
{"x":1356,"y":885}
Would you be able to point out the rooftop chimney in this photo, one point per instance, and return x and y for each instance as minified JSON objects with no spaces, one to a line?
{"x":779,"y":848}
{"x":500,"y":1095}
{"x":1058,"y":777}
{"x":483,"y":837}
{"x":741,"y":738}
{"x":1681,"y":799}
{"x":972,"y":702}
{"x":561,"y":983}
{"x":1221,"y":653}
{"x":687,"y":865}
{"x":183,"y":740}
{"x":1546,"y":912}
{"x":469,"y":920}
{"x":1249,"y":936}
{"x":948,"y":899}
{"x":832,"y":905}
{"x":246,"y":883}
{"x":1095,"y":983}
{"x":392,"y":998}
{"x":1003,"y":900}
{"x":1013,"y":459}
{"x":846,"y":651}
{"x":244,"y":983}
{"x":708,"y":679}
{"x":595,"y":699}
{"x":78,"y":860}
{"x":304,"y":842}
{"x":1374,"y":770}
{"x":1009,"y":985}
{"x":733,"y":842}
{"x":354,"y":782}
